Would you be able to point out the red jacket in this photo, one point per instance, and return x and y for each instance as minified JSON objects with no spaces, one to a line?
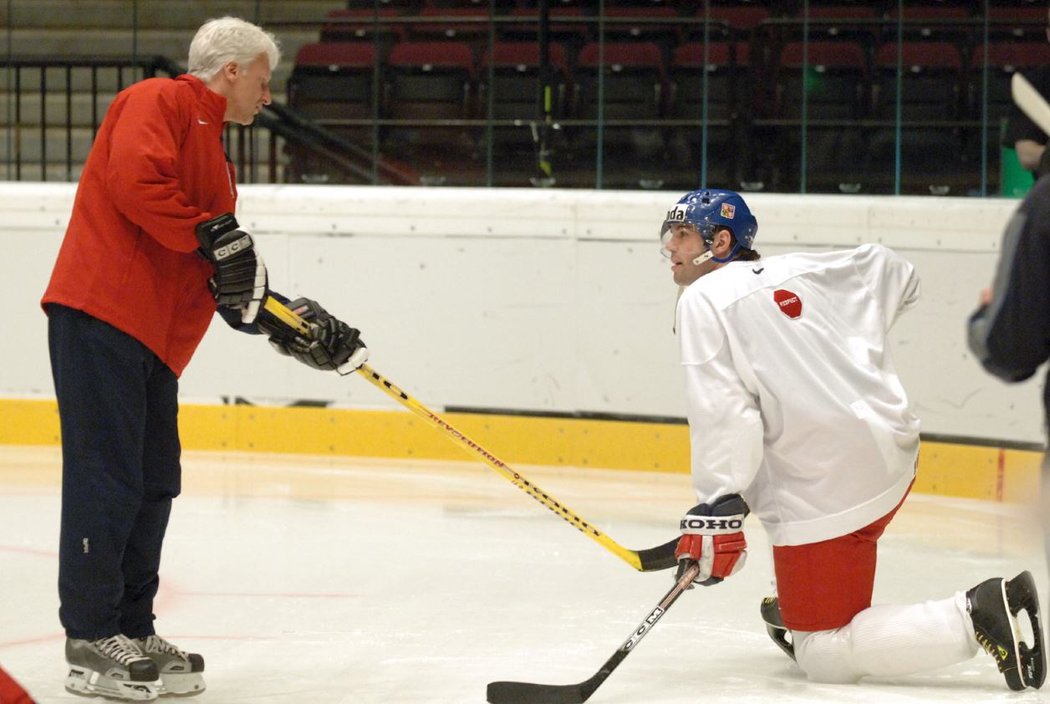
{"x":157,"y":168}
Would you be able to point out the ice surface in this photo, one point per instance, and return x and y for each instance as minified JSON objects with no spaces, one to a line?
{"x":320,"y":580}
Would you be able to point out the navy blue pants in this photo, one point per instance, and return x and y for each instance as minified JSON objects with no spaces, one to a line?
{"x":118,"y":407}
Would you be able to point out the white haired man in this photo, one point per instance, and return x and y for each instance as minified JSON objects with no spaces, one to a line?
{"x":151,"y":251}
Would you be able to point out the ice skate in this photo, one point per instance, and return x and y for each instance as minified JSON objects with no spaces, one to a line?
{"x":993,"y":606}
{"x":180,"y":672}
{"x":775,"y":625}
{"x":111,"y":667}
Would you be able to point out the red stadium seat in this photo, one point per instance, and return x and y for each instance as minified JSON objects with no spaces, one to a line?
{"x":359,"y":24}
{"x":931,"y":135}
{"x":429,"y":86}
{"x":623,"y":83}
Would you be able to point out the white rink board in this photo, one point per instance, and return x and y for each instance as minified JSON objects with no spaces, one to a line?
{"x":546,"y":300}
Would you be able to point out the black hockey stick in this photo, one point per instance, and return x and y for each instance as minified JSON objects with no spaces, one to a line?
{"x":660,"y":557}
{"x":530,"y":693}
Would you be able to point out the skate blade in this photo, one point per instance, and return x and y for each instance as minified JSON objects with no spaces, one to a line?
{"x":770,"y":611}
{"x":182,"y":685}
{"x":779,"y":636}
{"x":1021,"y":594}
{"x":88,"y":683}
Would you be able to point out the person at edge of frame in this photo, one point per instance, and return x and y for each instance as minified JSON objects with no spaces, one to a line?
{"x":1009,"y":332}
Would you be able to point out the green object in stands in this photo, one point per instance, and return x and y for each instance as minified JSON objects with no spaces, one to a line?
{"x":1014,"y":179}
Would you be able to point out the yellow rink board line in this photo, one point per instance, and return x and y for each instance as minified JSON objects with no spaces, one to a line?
{"x":946,"y":469}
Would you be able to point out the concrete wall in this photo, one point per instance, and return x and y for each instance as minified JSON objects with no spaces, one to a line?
{"x":538,"y":300}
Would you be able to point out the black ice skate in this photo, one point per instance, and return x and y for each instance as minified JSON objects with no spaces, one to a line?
{"x":111,"y":667}
{"x":994,"y":605}
{"x":775,"y":625}
{"x":180,"y":672}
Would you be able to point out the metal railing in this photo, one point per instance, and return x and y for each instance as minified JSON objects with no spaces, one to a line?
{"x":54,"y":107}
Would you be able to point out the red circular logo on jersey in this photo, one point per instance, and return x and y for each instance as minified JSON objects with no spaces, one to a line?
{"x":790,"y":304}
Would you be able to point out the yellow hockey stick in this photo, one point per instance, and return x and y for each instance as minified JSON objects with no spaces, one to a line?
{"x":660,"y":557}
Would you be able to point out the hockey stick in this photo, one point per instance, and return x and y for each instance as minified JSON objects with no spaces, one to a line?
{"x":660,"y":557}
{"x":529,"y":693}
{"x":1030,"y":101}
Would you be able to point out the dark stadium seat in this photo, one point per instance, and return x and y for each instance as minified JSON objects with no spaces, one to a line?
{"x":562,"y":26}
{"x":358,"y":24}
{"x":1002,"y":58}
{"x":939,"y":22}
{"x":466,"y":24}
{"x":930,"y":108}
{"x":1023,"y":23}
{"x":428,"y":86}
{"x":334,"y":80}
{"x":830,"y":80}
{"x":335,"y":84}
{"x":651,"y":24}
{"x":623,"y":84}
{"x":742,"y":18}
{"x":725,"y":68}
{"x":510,"y":82}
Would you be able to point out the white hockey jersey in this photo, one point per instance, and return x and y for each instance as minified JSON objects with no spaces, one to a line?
{"x":793,"y":401}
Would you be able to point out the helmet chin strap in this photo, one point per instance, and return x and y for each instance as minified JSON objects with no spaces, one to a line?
{"x":703,"y":257}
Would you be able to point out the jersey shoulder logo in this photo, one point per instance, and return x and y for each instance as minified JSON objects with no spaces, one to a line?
{"x":788,"y":302}
{"x":759,"y":270}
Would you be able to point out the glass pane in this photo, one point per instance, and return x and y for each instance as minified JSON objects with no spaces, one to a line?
{"x":815,"y":97}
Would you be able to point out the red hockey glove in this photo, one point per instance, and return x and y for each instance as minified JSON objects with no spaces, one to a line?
{"x":712,"y":535}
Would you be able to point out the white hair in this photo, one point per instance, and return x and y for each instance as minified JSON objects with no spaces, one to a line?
{"x":220,"y":41}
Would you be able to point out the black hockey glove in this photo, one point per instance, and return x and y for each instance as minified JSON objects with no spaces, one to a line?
{"x":240,"y":275}
{"x":331,"y":344}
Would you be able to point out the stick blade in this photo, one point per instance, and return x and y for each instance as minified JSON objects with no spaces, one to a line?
{"x":658,"y":558}
{"x":529,"y":693}
{"x":1030,"y":101}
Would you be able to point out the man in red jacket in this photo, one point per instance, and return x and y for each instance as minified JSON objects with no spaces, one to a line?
{"x":151,"y":252}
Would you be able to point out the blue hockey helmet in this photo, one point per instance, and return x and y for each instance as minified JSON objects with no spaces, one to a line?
{"x":711,"y":209}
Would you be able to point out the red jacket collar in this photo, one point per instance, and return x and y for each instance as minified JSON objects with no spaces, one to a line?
{"x":213,"y":104}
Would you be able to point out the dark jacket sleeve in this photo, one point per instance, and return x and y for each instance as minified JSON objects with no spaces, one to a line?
{"x":1011,"y":334}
